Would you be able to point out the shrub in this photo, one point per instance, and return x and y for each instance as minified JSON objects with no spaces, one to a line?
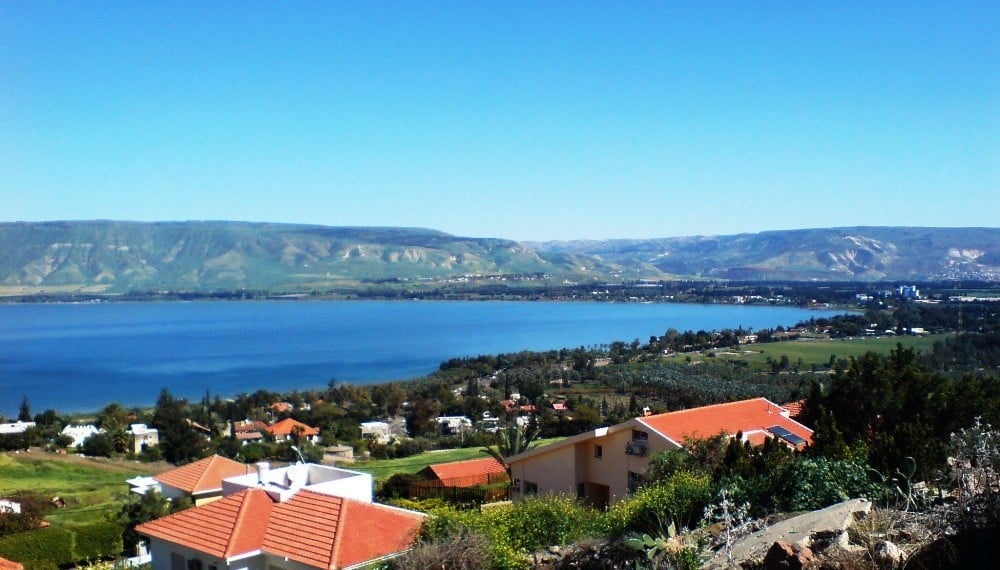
{"x":679,"y":499}
{"x":98,"y":541}
{"x":40,"y":549}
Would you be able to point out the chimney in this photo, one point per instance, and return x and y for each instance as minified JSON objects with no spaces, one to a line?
{"x":263,"y":468}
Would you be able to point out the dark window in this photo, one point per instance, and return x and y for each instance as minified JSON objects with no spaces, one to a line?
{"x":581,"y":490}
{"x":634,"y":481}
{"x":599,"y":451}
{"x":530,"y":488}
{"x":176,"y":561}
{"x":639,"y":435}
{"x":194,"y":564}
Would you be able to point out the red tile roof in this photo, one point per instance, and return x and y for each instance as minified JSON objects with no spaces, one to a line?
{"x":10,"y":565}
{"x":466,"y":473}
{"x":708,"y":421}
{"x":204,"y":475}
{"x":287,"y":425}
{"x":311,"y":528}
{"x":794,"y":408}
{"x":224,"y":528}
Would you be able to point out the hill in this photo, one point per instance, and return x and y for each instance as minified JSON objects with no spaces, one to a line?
{"x":116,"y":257}
{"x":108,"y":257}
{"x":848,"y":254}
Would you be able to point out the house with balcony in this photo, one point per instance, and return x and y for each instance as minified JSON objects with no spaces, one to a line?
{"x":605,"y":465}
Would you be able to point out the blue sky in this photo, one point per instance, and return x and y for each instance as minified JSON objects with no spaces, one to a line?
{"x":530,"y":121}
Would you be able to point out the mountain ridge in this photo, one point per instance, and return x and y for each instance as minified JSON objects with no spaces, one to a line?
{"x":110,"y":256}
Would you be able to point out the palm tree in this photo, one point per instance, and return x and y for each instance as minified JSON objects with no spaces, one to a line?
{"x":511,"y":441}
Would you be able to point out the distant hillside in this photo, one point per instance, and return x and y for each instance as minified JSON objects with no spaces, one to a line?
{"x":105,"y":256}
{"x":860,"y":253}
{"x":109,"y":257}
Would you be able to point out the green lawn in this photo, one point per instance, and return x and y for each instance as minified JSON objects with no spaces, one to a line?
{"x":818,"y":351}
{"x":382,"y":469}
{"x":91,"y":488}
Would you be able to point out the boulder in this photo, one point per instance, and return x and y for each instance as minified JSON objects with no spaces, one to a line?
{"x":788,"y":556}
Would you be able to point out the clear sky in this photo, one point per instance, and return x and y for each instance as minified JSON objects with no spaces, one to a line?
{"x":530,"y":121}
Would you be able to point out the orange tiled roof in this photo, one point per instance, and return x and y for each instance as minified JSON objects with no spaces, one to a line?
{"x":311,"y":528}
{"x":225,"y":528}
{"x":467,"y":473}
{"x":794,"y":408}
{"x":709,"y":421}
{"x":10,"y":565}
{"x":287,"y":425}
{"x":204,"y":475}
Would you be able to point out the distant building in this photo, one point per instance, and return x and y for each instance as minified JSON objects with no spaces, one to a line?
{"x":143,"y":437}
{"x":453,"y":425}
{"x":378,"y":431}
{"x":909,"y":292}
{"x":286,"y":429}
{"x":79,"y":433}
{"x":15,"y":427}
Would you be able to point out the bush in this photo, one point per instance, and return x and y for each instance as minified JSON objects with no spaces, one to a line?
{"x":459,"y":552}
{"x":40,"y":549}
{"x":680,"y":499}
{"x":98,"y":541}
{"x":515,"y":530}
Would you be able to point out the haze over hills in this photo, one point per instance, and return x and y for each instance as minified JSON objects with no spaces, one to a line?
{"x":116,"y":257}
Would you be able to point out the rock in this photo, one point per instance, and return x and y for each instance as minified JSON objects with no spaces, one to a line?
{"x":887,"y":552}
{"x":785,"y":556}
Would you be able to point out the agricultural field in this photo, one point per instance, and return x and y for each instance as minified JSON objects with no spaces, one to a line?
{"x":91,"y":487}
{"x":816,"y":351}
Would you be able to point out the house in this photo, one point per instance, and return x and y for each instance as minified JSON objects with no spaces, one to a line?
{"x":468,"y":473}
{"x":10,"y":507}
{"x":10,"y":565}
{"x":286,"y":428}
{"x":143,"y":437}
{"x":378,"y":431}
{"x":79,"y":433}
{"x":201,"y":480}
{"x":248,"y":431}
{"x":299,"y":517}
{"x":453,"y":425}
{"x":15,"y":427}
{"x":607,"y":464}
{"x":483,"y":480}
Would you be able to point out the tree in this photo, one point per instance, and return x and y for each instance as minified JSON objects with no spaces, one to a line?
{"x":178,"y":441}
{"x":98,"y":445}
{"x":24,"y":414}
{"x":511,"y":441}
{"x":144,"y":508}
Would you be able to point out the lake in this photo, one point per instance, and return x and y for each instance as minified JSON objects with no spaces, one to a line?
{"x":79,"y":357}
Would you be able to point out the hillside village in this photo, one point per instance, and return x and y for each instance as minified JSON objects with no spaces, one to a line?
{"x":629,"y":468}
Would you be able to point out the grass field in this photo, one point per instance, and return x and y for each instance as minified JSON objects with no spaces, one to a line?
{"x":90,"y":487}
{"x":814,"y":351}
{"x":382,"y":469}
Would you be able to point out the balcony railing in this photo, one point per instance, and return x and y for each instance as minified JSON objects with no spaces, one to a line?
{"x":637,"y":449}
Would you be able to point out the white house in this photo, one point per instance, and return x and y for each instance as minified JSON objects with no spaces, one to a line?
{"x":79,"y":433}
{"x":143,"y":437}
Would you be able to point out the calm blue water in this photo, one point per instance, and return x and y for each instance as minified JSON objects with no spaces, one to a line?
{"x":80,"y":357}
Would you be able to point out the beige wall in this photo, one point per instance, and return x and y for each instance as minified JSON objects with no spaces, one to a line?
{"x":563,"y":468}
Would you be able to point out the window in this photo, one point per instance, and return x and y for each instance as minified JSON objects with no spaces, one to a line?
{"x":640,"y":436}
{"x":598,"y":451}
{"x":530,"y":488}
{"x":634,"y":481}
{"x":516,"y":485}
{"x":176,"y":561}
{"x":194,"y":564}
{"x":581,"y":490}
